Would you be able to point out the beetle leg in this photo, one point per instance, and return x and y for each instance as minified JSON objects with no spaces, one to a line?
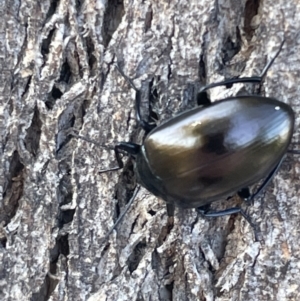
{"x":267,"y":67}
{"x":203,"y":211}
{"x":229,"y":82}
{"x":268,"y":179}
{"x":293,"y":151}
{"x":170,"y":210}
{"x":128,"y":205}
{"x":244,"y":194}
{"x":254,"y":79}
{"x":128,"y":147}
{"x":143,"y":124}
{"x":229,"y":211}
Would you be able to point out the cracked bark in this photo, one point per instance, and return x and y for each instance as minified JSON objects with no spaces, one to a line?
{"x":58,"y":74}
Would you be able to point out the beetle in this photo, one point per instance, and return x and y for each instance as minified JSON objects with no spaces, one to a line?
{"x":211,"y":152}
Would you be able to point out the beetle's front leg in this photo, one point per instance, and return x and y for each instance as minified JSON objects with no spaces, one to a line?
{"x":144,"y":124}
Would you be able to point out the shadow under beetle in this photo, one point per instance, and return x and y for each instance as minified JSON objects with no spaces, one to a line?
{"x":212,"y":152}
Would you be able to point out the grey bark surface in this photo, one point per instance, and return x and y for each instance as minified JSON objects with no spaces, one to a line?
{"x":58,"y":74}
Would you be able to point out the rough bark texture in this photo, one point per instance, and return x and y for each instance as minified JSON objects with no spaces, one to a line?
{"x":58,"y":74}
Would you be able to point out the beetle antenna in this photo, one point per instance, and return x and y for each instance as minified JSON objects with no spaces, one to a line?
{"x":128,"y":205}
{"x":74,"y":134}
{"x":127,"y":148}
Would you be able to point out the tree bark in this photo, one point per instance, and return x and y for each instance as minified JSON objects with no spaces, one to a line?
{"x":59,"y":75}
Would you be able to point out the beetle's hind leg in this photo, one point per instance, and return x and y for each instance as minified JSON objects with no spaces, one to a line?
{"x":203,"y":211}
{"x":246,"y":196}
{"x":249,"y":198}
{"x":253,"y":79}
